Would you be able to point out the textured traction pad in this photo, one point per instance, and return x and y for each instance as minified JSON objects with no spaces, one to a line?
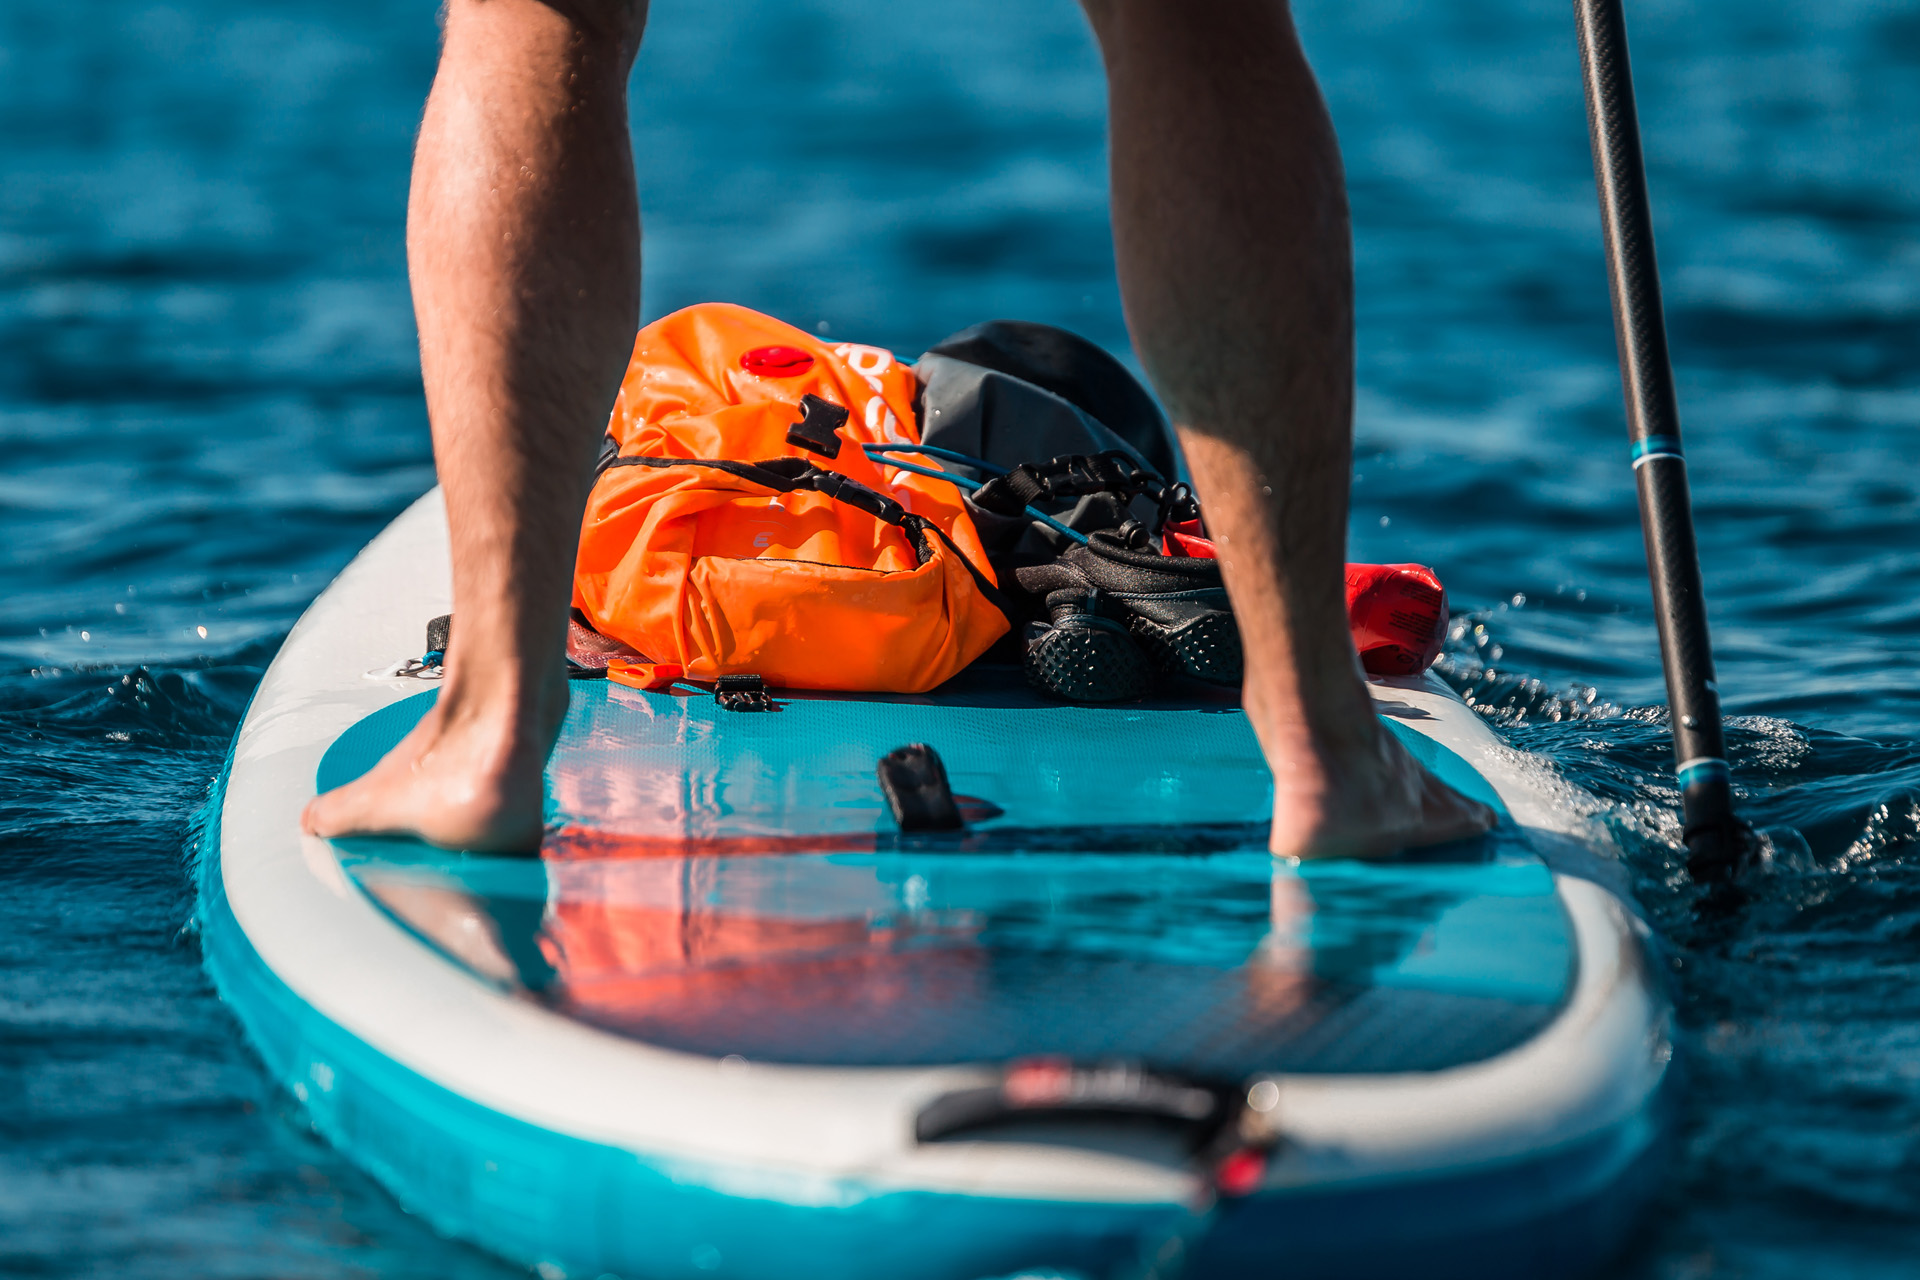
{"x":723,"y":884}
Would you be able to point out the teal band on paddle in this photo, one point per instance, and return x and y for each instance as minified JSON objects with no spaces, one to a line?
{"x":1702,"y":769}
{"x":1656,"y":447}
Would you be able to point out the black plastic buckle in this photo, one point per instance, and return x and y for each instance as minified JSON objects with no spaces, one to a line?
{"x":1177,"y":505}
{"x":856,"y":495}
{"x":1097,"y":473}
{"x":742,"y":693}
{"x":819,"y":424}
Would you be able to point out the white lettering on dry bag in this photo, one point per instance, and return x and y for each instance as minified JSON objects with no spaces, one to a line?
{"x":870,"y":363}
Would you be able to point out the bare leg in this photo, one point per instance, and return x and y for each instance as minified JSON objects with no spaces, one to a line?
{"x":1235,"y":261}
{"x":523,"y":243}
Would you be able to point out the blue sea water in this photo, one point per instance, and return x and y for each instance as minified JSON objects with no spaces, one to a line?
{"x":209,"y":400}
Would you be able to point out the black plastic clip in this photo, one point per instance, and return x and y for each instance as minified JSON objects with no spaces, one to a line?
{"x":819,"y":424}
{"x":858,"y":496}
{"x":742,"y":693}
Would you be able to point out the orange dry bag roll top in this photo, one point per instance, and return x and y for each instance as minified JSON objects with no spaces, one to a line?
{"x":737,"y":526}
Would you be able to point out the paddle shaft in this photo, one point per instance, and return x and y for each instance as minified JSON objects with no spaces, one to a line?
{"x":1714,"y":837}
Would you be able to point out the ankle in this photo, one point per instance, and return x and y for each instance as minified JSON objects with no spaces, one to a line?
{"x":1335,"y":726}
{"x":519,"y":712}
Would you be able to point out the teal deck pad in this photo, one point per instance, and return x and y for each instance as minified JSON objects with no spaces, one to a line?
{"x":730,"y":883}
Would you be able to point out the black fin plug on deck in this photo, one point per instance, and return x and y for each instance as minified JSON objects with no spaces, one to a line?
{"x":817,"y":429}
{"x":915,"y":783}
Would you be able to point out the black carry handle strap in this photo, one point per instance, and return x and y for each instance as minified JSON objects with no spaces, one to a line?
{"x":785,"y":475}
{"x":792,"y":475}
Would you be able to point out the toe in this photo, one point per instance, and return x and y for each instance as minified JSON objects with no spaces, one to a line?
{"x":354,"y":809}
{"x":314,"y":818}
{"x":324,"y":816}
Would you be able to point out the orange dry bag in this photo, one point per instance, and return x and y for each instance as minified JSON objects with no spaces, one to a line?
{"x":737,"y":525}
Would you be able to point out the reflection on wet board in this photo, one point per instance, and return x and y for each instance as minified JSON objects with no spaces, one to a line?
{"x":1165,"y":935}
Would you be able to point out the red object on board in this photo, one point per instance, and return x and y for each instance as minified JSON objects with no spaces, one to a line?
{"x":1241,"y":1173}
{"x":1398,"y":614}
{"x":1186,"y":538}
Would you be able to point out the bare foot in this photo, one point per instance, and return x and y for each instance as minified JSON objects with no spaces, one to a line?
{"x":465,"y":778}
{"x":1367,"y":801}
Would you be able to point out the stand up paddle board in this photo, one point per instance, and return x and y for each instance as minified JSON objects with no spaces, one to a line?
{"x":735,"y":1021}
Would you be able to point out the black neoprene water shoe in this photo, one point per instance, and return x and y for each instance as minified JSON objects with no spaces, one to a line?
{"x":1173,"y":609}
{"x":1176,"y":606}
{"x":1083,"y":657}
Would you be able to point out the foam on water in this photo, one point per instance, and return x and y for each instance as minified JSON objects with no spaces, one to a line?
{"x":209,"y":401}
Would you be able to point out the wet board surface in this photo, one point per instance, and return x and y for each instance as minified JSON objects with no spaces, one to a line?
{"x":729,"y":883}
{"x":699,"y":1033}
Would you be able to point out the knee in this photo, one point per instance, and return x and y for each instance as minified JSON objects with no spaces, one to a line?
{"x":615,"y":22}
{"x":614,"y":25}
{"x":1196,"y":19}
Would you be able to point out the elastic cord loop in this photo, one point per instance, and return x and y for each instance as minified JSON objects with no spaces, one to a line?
{"x":963,"y":483}
{"x":932,"y":451}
